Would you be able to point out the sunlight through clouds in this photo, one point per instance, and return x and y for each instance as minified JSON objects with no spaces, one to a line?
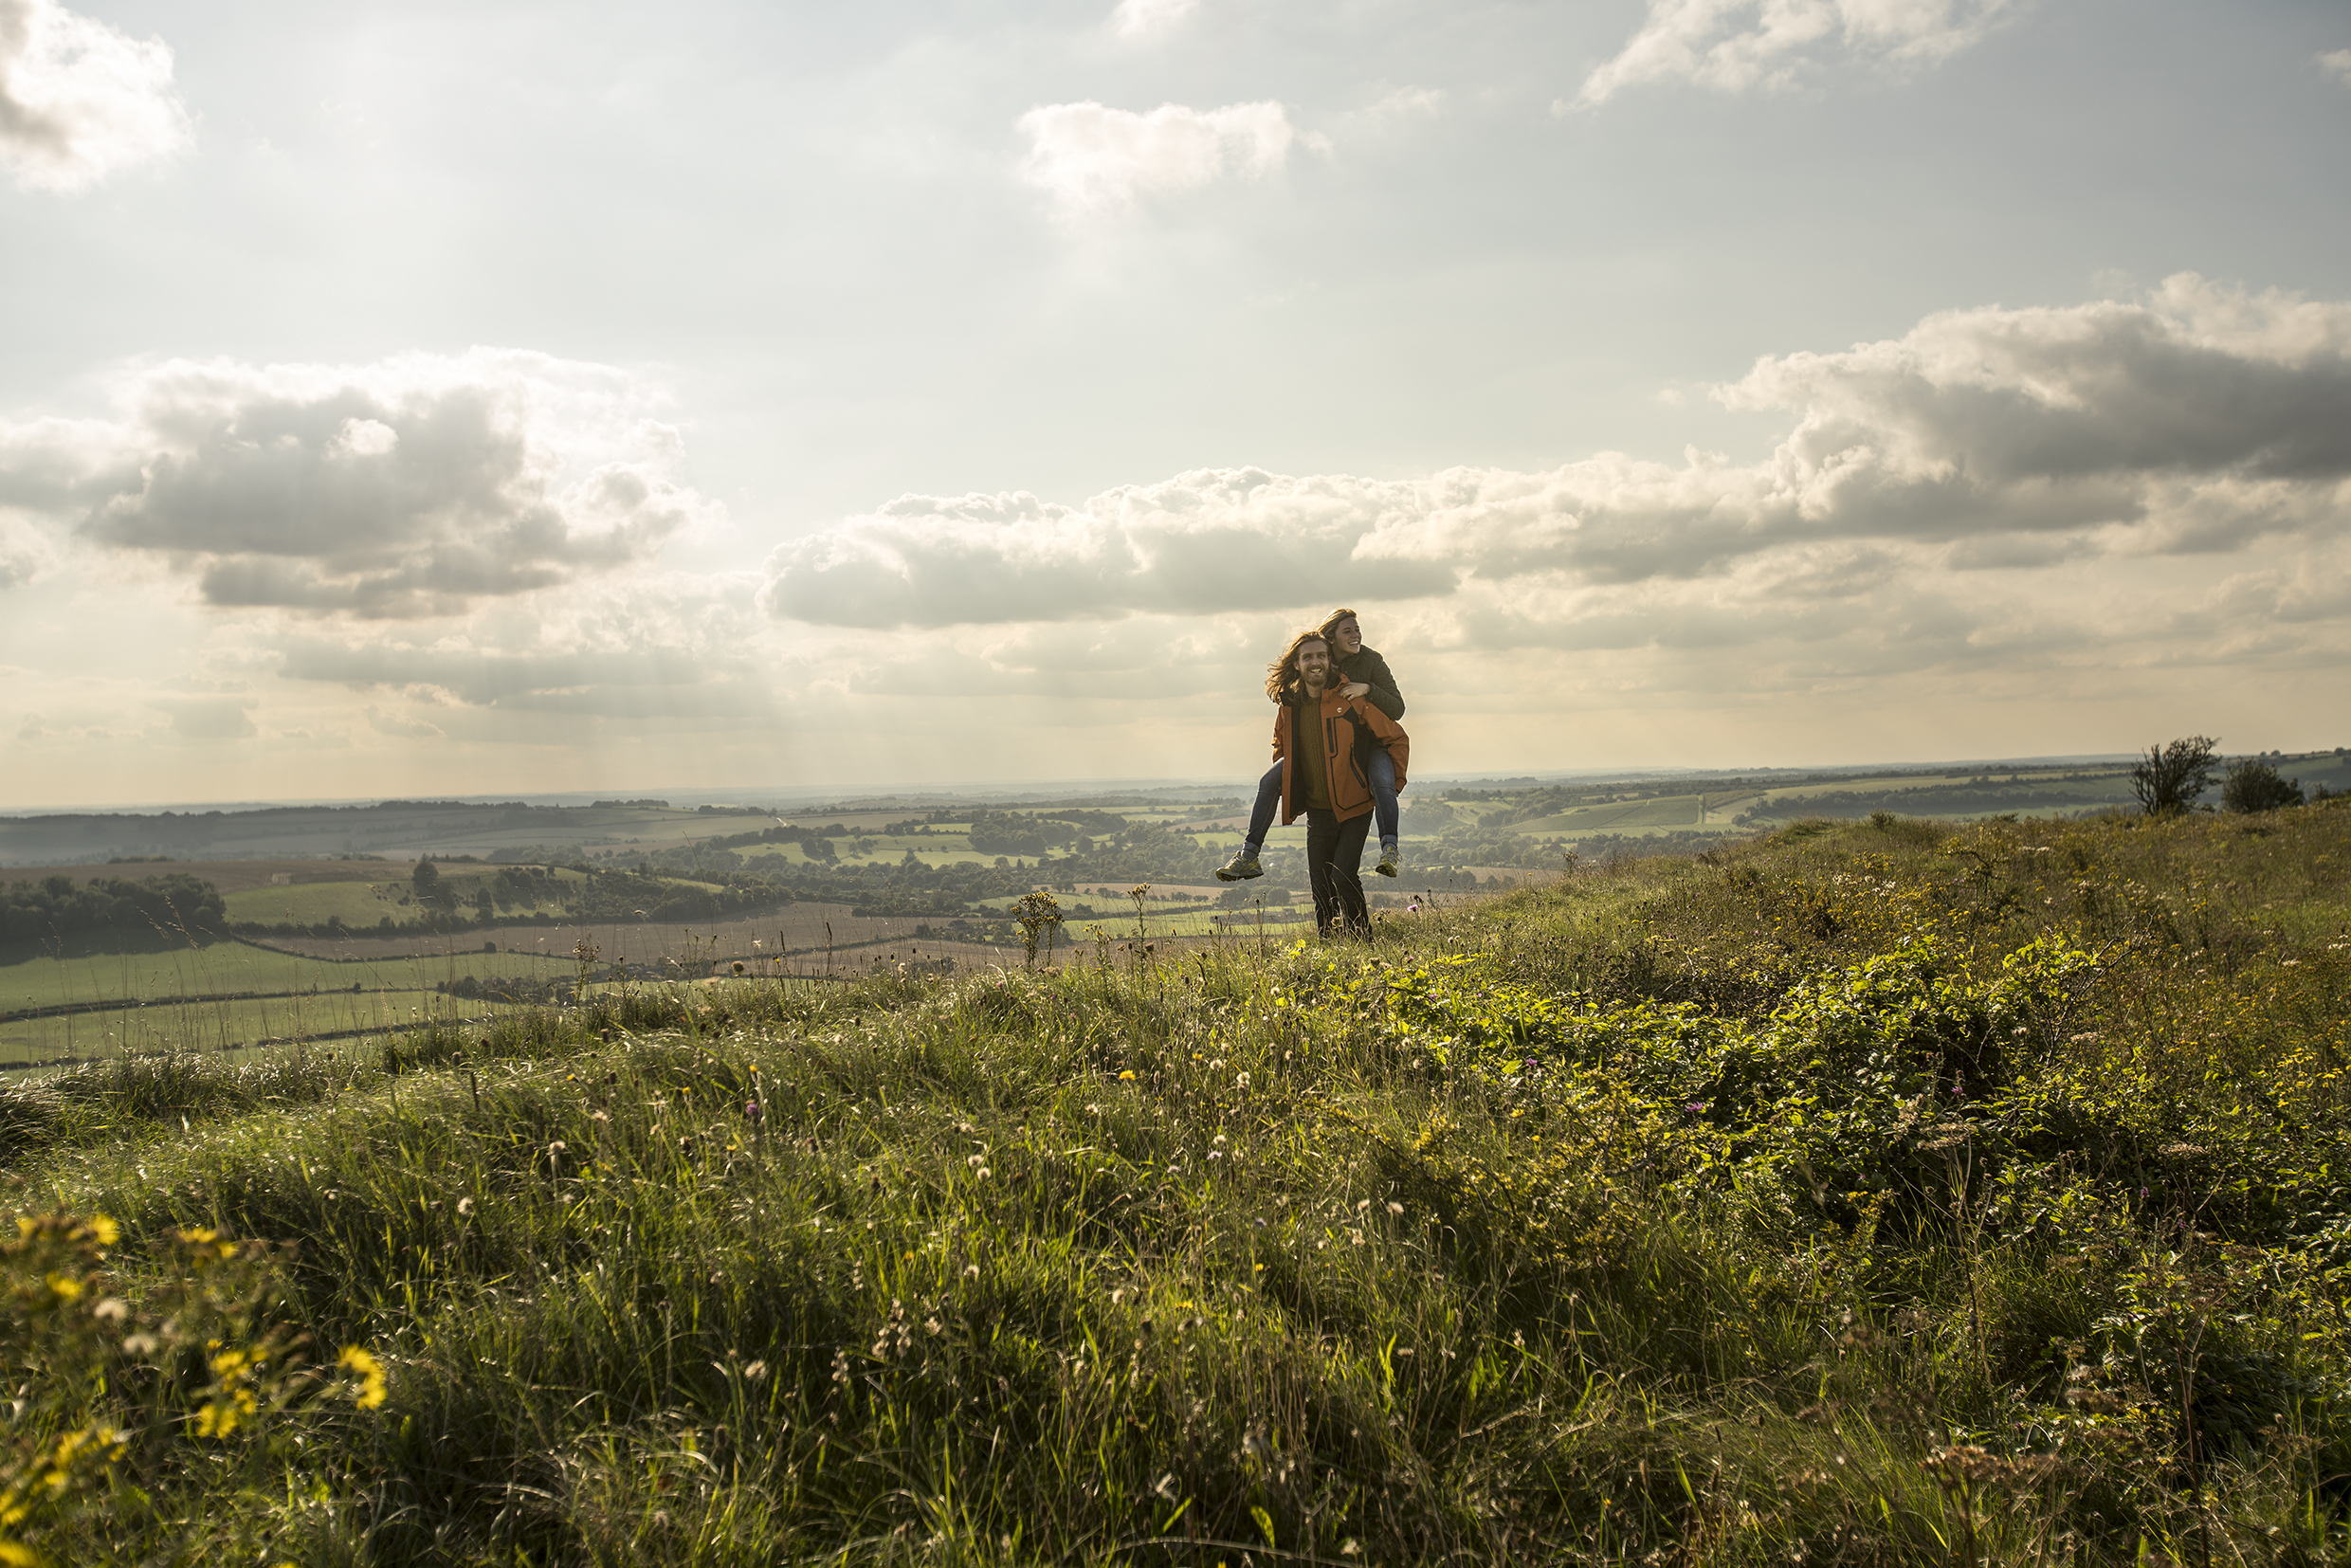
{"x":1145,"y":20}
{"x":78,"y":100}
{"x":1096,"y":162}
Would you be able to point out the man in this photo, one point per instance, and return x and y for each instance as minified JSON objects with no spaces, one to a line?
{"x":1314,"y":738}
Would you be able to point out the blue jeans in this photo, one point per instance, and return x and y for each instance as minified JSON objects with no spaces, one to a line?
{"x":1381,"y":772}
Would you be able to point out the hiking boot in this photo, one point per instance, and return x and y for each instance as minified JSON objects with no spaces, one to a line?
{"x":1242,"y":867}
{"x":1387,"y":867}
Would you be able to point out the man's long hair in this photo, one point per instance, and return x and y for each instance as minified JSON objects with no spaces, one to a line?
{"x":1282,"y":675}
{"x":1329,"y":628}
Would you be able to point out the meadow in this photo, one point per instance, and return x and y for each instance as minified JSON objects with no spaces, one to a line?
{"x":1874,"y":1191}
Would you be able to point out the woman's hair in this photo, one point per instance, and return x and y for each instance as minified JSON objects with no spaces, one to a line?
{"x":1282,"y":675}
{"x":1330,"y":622}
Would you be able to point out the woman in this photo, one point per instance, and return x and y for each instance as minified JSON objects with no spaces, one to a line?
{"x":1367,"y":677}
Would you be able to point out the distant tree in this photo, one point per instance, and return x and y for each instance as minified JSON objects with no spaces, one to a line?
{"x":424,"y":878}
{"x":2254,"y":785}
{"x":2170,"y":778}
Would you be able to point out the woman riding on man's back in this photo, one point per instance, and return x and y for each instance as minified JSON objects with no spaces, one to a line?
{"x":1368,"y":679}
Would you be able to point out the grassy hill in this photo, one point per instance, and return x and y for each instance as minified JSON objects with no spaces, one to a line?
{"x":1868,"y":1194}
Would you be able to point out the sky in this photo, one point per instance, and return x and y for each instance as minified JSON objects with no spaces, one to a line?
{"x":466,"y":398}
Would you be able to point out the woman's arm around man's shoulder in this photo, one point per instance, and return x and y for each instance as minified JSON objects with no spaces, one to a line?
{"x":1370,"y":669}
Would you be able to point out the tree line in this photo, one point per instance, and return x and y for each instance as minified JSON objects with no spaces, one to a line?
{"x":57,"y":906}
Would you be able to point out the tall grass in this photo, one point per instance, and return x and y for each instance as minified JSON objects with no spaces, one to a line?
{"x":1871,"y":1193}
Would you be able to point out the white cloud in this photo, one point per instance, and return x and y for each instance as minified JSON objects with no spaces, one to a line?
{"x":1405,"y":103}
{"x":79,"y":101}
{"x":411,"y":486}
{"x":24,"y":553}
{"x":2197,"y":419}
{"x":1096,"y":161}
{"x":2337,"y":64}
{"x":1145,"y":20}
{"x":1731,"y":45}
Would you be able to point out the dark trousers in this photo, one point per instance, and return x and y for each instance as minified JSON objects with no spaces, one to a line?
{"x":1379,"y":769}
{"x":1335,"y":861}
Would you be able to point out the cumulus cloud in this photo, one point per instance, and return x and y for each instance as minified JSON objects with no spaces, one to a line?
{"x":1731,"y":45}
{"x":409,"y":487}
{"x":79,"y":101}
{"x":2337,"y":64}
{"x":1144,"y":20}
{"x":2198,"y":418}
{"x":1095,"y":161}
{"x":644,"y":645}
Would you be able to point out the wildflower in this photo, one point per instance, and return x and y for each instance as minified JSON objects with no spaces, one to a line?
{"x":755,"y":1372}
{"x":1395,"y":1208}
{"x":465,"y":1206}
{"x":1242,"y":1082}
{"x":1127,"y":1077}
{"x":355,"y":1361}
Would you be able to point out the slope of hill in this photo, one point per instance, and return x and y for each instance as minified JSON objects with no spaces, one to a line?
{"x":1882,"y":1192}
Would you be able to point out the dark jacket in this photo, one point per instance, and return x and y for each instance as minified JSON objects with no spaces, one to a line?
{"x":1333,"y":725}
{"x":1370,"y":669}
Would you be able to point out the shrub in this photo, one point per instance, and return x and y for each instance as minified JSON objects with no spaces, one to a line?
{"x":2254,"y":785}
{"x":2170,"y":778}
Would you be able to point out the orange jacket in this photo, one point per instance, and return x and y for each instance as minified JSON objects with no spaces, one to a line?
{"x":1340,"y":719}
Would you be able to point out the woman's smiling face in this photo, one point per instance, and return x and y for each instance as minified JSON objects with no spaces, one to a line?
{"x":1348,"y":636}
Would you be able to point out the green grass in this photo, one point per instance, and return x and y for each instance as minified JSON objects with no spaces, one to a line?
{"x":1871,"y":1193}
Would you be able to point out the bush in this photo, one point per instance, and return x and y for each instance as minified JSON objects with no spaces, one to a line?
{"x":2252,"y":785}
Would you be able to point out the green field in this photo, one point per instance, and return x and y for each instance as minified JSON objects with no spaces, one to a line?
{"x":224,"y":1025}
{"x":1621,"y":816}
{"x":222,"y":967}
{"x":356,"y":904}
